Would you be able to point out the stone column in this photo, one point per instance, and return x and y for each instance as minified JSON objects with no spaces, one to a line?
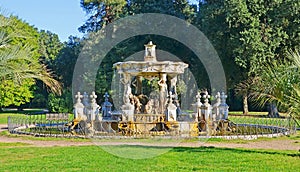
{"x":223,"y":107}
{"x":163,"y":92}
{"x":216,"y":110}
{"x":78,"y":107}
{"x":171,"y":109}
{"x":206,"y":111}
{"x":198,"y":105}
{"x":94,"y":107}
{"x":206,"y":107}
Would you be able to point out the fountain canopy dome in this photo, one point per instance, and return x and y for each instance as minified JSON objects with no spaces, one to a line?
{"x":150,"y":66}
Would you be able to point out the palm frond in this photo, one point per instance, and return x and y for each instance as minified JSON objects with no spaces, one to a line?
{"x":278,"y":83}
{"x":17,"y":63}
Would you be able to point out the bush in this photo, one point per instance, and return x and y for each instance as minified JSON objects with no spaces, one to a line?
{"x":63,"y":103}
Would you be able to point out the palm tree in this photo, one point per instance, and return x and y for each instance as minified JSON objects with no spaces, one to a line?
{"x":244,"y":89}
{"x":278,"y":83}
{"x":17,"y":63}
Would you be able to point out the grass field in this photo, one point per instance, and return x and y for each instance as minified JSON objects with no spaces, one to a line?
{"x":249,"y":113}
{"x":3,"y":116}
{"x":93,"y":158}
{"x":14,"y":112}
{"x":23,"y":157}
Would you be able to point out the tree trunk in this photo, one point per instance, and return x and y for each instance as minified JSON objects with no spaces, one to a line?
{"x":272,"y":111}
{"x":245,"y":105}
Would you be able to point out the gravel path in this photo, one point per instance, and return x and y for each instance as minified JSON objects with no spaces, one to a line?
{"x":271,"y":144}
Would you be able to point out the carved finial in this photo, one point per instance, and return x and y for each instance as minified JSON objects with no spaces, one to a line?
{"x":206,"y":97}
{"x":150,"y":54}
{"x":78,"y":97}
{"x":198,"y":98}
{"x":106,"y":96}
{"x":93,"y":96}
{"x":223,"y":97}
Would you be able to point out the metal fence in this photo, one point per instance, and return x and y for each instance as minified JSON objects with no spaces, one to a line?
{"x":63,"y":125}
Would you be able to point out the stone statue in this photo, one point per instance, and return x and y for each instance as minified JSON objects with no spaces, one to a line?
{"x":126,"y":80}
{"x":137,"y":104}
{"x":163,"y":89}
{"x":148,"y":51}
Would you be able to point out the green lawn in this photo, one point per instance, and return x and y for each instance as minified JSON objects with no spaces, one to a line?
{"x":257,"y":120}
{"x":93,"y":158}
{"x":249,"y":113}
{"x":15,"y":113}
{"x":23,"y":157}
{"x":4,"y":115}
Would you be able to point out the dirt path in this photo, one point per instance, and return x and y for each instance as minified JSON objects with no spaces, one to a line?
{"x":271,"y":144}
{"x":3,"y":127}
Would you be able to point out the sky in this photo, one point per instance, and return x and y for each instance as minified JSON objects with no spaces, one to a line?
{"x":62,"y":17}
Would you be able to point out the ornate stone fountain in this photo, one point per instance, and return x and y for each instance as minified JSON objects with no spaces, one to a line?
{"x":150,"y":68}
{"x":161,"y":113}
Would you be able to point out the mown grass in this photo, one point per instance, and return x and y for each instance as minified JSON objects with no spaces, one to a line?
{"x":254,"y":113}
{"x":259,"y":120}
{"x":13,"y":144}
{"x":15,"y":113}
{"x":4,"y":115}
{"x":93,"y":158}
{"x":295,"y":137}
{"x":41,"y":117}
{"x":249,"y":113}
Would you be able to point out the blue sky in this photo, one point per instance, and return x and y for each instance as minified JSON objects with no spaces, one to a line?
{"x":62,"y":17}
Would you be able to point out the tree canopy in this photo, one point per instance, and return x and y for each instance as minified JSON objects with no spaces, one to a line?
{"x":254,"y":40}
{"x":20,"y":66}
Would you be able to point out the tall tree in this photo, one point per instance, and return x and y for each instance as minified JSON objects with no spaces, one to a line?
{"x":101,"y":12}
{"x":104,"y":12}
{"x":66,"y":59}
{"x":278,"y":83}
{"x":63,"y":65}
{"x":259,"y":32}
{"x":211,"y":20}
{"x":20,"y":65}
{"x":49,"y":48}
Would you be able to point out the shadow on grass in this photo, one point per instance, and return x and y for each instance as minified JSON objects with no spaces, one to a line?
{"x":214,"y":149}
{"x":211,"y":149}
